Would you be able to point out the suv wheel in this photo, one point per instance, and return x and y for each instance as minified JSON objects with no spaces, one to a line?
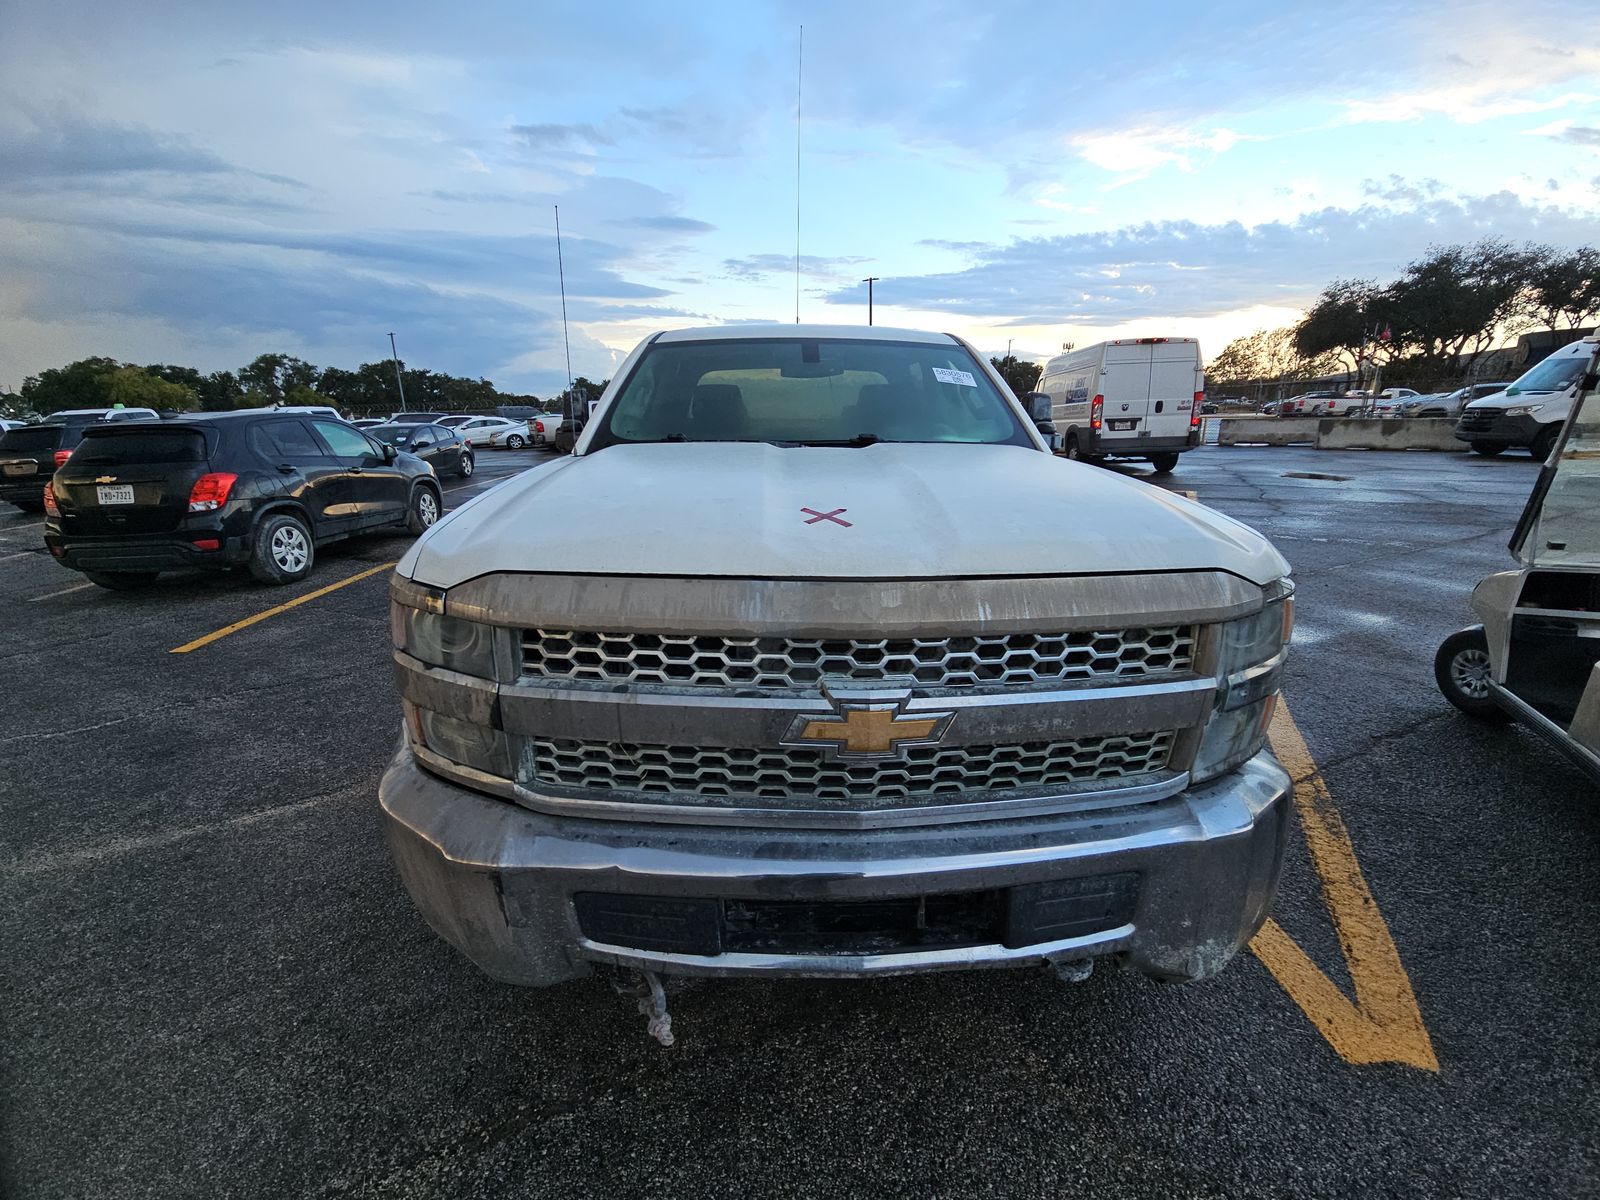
{"x":283,"y":551}
{"x":1462,"y":670}
{"x":1488,"y":449}
{"x":424,"y":509}
{"x":121,"y":581}
{"x":1164,"y":463}
{"x":466,"y":464}
{"x":516,"y":442}
{"x":1545,"y":442}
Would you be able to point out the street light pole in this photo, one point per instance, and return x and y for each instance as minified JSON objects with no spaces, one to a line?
{"x":869,"y":281}
{"x":394,"y":356}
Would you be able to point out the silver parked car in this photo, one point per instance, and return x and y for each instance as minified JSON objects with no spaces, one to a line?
{"x":1450,"y":404}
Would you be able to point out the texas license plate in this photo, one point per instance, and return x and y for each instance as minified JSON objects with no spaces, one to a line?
{"x":122,"y":493}
{"x":1117,"y":425}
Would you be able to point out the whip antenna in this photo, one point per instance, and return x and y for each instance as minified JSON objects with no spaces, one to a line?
{"x":799,"y":69}
{"x":561,"y":272}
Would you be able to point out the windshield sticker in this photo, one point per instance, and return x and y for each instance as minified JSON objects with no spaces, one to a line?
{"x":963,"y":378}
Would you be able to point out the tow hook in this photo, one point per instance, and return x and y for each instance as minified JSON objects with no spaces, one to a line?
{"x":1073,"y":970}
{"x":652,"y":1002}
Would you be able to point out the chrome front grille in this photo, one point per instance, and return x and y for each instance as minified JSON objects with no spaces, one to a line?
{"x":975,"y":662}
{"x":803,"y":778}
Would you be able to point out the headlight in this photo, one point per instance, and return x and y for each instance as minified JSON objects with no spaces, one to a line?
{"x":1249,"y":670}
{"x":441,"y":641}
{"x":1523,"y":410}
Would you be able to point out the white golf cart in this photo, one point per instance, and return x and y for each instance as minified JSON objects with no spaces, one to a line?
{"x":1536,"y":657}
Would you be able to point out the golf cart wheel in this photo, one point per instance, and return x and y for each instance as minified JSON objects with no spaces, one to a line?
{"x":1462,"y":670}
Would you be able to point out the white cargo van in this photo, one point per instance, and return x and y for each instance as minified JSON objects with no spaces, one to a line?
{"x":1530,"y":411}
{"x":1135,"y":398}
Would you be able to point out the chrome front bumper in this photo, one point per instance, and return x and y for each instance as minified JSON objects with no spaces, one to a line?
{"x":497,"y":881}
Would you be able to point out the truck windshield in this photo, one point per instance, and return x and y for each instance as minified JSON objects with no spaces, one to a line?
{"x":809,"y":392}
{"x":1554,"y":374}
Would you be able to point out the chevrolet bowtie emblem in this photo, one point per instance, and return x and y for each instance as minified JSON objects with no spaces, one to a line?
{"x":868,"y":731}
{"x":106,"y":479}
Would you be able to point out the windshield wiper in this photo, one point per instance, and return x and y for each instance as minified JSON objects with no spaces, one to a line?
{"x":860,"y":439}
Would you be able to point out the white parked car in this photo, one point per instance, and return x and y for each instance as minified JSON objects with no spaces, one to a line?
{"x":830,"y":668}
{"x":494,"y":432}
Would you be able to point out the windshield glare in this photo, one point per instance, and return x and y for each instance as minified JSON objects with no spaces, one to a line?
{"x":809,"y":392}
{"x":1555,"y":374}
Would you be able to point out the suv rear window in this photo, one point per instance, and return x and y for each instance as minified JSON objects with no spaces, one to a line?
{"x":31,"y":438}
{"x":141,"y":446}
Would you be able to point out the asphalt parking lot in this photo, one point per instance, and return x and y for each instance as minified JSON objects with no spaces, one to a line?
{"x":215,"y":986}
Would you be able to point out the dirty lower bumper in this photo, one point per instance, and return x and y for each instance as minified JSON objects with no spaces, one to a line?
{"x":1193,"y":876}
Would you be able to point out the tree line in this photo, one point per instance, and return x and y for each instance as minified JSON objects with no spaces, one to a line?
{"x":269,"y":379}
{"x":1436,"y":321}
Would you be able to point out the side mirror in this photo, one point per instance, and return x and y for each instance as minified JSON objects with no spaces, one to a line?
{"x":1039,"y":412}
{"x":389,"y":453}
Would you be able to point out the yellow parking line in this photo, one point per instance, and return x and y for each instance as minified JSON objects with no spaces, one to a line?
{"x":1384,"y":1024}
{"x":274,"y":611}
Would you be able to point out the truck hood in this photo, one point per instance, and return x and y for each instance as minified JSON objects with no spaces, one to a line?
{"x":898,"y":511}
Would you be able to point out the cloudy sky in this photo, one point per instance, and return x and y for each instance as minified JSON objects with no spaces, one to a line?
{"x":200,"y":183}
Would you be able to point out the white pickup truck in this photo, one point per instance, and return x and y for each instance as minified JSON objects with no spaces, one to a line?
{"x":834,"y":669}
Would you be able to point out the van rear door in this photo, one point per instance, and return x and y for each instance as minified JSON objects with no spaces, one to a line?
{"x":1174,"y":379}
{"x":1125,"y":384}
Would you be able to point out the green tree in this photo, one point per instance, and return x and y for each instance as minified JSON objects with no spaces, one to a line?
{"x":1021,"y":376}
{"x":134,"y":387}
{"x":1456,"y":302}
{"x":1564,"y":286}
{"x":1340,"y":321}
{"x":77,"y":385}
{"x":275,"y":375}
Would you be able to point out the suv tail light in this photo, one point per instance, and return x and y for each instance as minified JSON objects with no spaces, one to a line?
{"x":1194,"y":413}
{"x":50,"y":506}
{"x":1096,"y":408}
{"x":61,"y":457}
{"x":211,"y":491}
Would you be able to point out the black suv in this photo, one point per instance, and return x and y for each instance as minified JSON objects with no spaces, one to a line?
{"x":442,"y":448}
{"x":225,"y":489}
{"x":29,"y":455}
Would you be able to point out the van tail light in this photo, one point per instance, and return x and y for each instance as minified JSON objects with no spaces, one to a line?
{"x":211,"y":491}
{"x":1194,"y":413}
{"x":61,"y":457}
{"x":50,"y":506}
{"x":1096,"y":409}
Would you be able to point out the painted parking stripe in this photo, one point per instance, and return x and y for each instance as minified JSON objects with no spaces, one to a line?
{"x":63,"y":592}
{"x":20,"y":554}
{"x":1384,"y":1024}
{"x":280,"y":608}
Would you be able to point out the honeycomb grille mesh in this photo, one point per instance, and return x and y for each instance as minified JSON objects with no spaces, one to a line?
{"x":977,"y":662}
{"x":710,"y":775}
